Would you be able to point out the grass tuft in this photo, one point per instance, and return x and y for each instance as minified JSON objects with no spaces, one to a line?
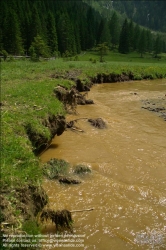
{"x":55,"y":168}
{"x":82,"y":169}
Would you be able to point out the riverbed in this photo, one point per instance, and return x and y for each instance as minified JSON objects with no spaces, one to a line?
{"x":127,"y":185}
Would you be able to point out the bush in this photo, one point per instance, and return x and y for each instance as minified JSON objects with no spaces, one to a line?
{"x":4,"y":54}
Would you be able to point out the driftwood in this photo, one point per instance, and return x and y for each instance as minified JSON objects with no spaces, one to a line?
{"x":71,"y":125}
{"x":82,"y":210}
{"x":68,"y":180}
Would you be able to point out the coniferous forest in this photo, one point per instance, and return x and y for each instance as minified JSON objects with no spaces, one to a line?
{"x":65,"y":28}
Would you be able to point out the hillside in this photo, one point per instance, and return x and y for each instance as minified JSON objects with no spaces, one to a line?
{"x":150,"y":14}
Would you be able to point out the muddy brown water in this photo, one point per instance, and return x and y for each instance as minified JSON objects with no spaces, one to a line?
{"x":127,"y":186}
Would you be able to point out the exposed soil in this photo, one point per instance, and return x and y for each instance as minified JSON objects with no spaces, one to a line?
{"x":82,"y":86}
{"x":156,"y":105}
{"x":110,"y":78}
{"x":71,"y":98}
{"x":28,"y":200}
{"x":56,"y":125}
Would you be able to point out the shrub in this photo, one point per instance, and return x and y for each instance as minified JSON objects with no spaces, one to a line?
{"x":4,"y":54}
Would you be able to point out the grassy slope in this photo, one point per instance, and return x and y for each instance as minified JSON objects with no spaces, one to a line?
{"x":27,"y":97}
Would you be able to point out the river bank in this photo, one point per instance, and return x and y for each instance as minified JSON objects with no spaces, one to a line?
{"x":32,"y":116}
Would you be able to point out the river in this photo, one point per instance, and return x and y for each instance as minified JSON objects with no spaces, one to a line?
{"x":127,"y":186}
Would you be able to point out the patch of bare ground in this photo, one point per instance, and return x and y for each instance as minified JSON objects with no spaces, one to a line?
{"x":20,"y":204}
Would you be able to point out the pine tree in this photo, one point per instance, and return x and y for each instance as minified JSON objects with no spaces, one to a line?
{"x":131,"y":35}
{"x":91,"y":28}
{"x":83,"y":33}
{"x":105,"y":36}
{"x":12,"y":36}
{"x":35,"y":25}
{"x":51,"y":34}
{"x":66,"y":37}
{"x":142,"y":43}
{"x":38,"y":48}
{"x":149,"y":41}
{"x":136,"y":36}
{"x":114,"y":30}
{"x":102,"y":48}
{"x":77,"y":38}
{"x":157,"y":46}
{"x":163,"y":47}
{"x":124,"y":42}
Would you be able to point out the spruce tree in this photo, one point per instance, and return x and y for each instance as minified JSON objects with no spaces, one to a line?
{"x":51,"y":34}
{"x":66,"y":37}
{"x":131,"y":35}
{"x":102,"y":48}
{"x":105,"y":36}
{"x":124,"y":42}
{"x":35,"y":25}
{"x":91,"y":28}
{"x":142,"y":43}
{"x":114,"y":30}
{"x":149,"y":41}
{"x":38,"y":48}
{"x":12,"y":40}
{"x":157,"y":46}
{"x":136,"y":36}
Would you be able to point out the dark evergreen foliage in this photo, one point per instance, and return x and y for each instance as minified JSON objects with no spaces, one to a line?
{"x":114,"y":29}
{"x":68,"y":27}
{"x":150,"y":14}
{"x":124,"y":41}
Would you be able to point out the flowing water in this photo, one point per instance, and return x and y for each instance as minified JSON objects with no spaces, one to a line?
{"x":127,"y":186}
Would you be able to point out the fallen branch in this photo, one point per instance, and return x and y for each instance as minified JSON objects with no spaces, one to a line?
{"x":82,"y":210}
{"x":79,"y":119}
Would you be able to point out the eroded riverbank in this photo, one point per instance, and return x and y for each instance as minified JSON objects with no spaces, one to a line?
{"x":127,"y":184}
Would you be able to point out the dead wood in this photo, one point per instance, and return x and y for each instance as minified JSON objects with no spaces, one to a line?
{"x":82,"y":210}
{"x":68,"y":180}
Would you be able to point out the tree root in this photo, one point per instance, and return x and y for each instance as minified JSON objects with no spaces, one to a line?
{"x":61,"y":218}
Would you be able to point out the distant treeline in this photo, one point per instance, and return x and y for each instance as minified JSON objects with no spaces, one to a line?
{"x":65,"y":28}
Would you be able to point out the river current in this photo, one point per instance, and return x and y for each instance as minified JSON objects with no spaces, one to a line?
{"x":127,"y":186}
